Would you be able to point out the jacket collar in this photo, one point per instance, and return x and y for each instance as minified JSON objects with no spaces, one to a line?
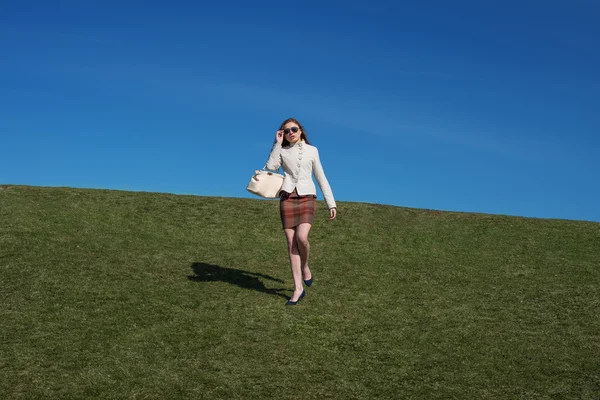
{"x":299,"y":143}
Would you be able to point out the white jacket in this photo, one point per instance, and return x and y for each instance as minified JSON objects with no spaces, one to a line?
{"x":299,"y":161}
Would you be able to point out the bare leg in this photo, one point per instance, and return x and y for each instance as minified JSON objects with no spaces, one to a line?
{"x":304,"y":248}
{"x":295,"y":262}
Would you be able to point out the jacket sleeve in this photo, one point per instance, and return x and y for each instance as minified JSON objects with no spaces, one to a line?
{"x":322,"y":181}
{"x":274,"y":161}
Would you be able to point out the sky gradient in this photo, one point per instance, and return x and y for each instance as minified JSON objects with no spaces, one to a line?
{"x":479,"y":106}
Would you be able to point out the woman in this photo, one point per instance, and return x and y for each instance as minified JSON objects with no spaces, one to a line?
{"x":298,"y":200}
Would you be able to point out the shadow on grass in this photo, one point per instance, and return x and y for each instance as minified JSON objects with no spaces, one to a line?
{"x":248,"y":280}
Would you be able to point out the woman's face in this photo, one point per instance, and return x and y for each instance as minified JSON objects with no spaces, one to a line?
{"x":292,"y":132}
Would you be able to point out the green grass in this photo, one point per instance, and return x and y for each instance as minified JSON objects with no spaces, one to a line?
{"x":112,"y":294}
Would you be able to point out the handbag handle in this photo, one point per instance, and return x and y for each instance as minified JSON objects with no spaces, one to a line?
{"x":265,"y":169}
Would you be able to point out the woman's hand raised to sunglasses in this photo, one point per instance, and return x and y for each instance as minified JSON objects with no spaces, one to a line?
{"x":279,"y":136}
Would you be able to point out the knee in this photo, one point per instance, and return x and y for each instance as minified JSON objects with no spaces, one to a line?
{"x":293,"y":247}
{"x":303,"y":241}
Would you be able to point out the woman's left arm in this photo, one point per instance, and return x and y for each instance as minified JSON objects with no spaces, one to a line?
{"x":324,"y":185}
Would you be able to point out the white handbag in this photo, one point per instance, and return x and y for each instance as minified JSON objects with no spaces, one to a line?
{"x":265,"y":183}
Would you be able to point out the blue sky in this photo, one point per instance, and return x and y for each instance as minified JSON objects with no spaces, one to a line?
{"x":482,"y":106}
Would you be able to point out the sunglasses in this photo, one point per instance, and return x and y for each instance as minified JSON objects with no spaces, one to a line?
{"x":294,"y":129}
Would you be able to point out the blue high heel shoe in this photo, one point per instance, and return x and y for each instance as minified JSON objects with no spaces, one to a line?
{"x":308,"y":282}
{"x":293,"y":303}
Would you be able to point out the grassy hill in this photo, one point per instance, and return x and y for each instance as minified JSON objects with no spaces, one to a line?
{"x":112,"y":294}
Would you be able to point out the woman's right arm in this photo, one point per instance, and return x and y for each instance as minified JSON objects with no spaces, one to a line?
{"x":274,"y":161}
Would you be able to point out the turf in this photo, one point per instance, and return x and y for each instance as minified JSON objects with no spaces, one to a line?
{"x":133,"y":295}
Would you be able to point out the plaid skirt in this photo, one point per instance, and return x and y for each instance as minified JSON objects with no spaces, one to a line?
{"x":296,"y":209}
